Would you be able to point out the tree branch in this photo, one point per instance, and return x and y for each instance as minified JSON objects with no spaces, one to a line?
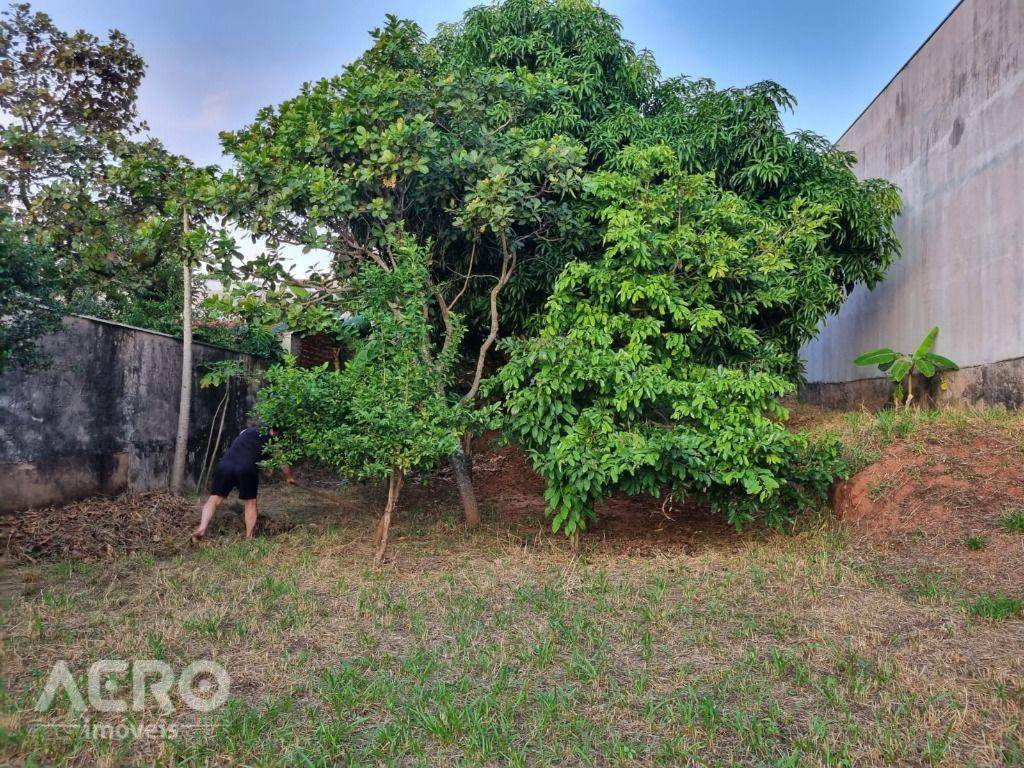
{"x":508,"y":265}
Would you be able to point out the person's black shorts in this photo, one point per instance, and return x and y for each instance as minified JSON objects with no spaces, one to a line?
{"x":226,"y":478}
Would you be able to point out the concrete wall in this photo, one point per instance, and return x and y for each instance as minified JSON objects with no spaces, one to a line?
{"x":949,"y":130}
{"x":102,"y":417}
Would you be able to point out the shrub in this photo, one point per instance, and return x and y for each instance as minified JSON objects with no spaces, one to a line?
{"x":649,"y":371}
{"x":386,"y":411}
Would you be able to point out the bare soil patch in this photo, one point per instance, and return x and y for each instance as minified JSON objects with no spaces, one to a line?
{"x":928,"y":498}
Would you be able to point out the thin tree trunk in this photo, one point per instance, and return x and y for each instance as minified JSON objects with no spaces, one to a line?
{"x":460,"y":460}
{"x":508,"y":266}
{"x":384,"y":525}
{"x":212,"y":445}
{"x":460,"y":464}
{"x":185,"y":400}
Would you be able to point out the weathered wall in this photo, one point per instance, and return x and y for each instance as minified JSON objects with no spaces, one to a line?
{"x":102,"y":417}
{"x":949,"y":130}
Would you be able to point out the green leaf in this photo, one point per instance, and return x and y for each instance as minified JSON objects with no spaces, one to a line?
{"x":879,"y":357}
{"x":925,"y":366}
{"x":940,"y":362}
{"x":899,"y":370}
{"x":929,"y":341}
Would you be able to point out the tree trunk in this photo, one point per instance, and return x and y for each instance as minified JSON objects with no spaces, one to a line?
{"x":384,"y":525}
{"x":185,"y":399}
{"x":464,"y":480}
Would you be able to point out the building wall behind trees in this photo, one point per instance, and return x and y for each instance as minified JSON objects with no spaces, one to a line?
{"x":101,"y":418}
{"x":949,"y":130}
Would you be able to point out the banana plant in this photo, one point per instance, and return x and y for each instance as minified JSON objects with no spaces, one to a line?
{"x":900,"y":366}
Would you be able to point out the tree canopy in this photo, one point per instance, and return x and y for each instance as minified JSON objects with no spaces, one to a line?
{"x":474,"y":141}
{"x":66,"y":95}
{"x":661,"y":248}
{"x":651,"y":371}
{"x":100,"y":202}
{"x":28,"y":280}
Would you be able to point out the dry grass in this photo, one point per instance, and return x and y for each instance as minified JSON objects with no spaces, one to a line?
{"x":504,"y":647}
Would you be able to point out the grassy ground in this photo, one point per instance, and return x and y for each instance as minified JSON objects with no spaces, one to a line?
{"x":505,"y":647}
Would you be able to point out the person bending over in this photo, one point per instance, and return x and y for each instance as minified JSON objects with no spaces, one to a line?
{"x":239,"y":468}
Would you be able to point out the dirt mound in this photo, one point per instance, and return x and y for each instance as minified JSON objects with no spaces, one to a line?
{"x":943,"y":498}
{"x":100,"y":527}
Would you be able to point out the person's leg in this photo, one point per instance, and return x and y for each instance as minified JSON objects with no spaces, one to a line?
{"x":221,"y":484}
{"x":248,"y":487}
{"x":207,"y":515}
{"x":251,"y":513}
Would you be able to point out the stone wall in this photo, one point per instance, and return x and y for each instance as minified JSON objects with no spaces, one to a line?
{"x":947,"y":130}
{"x":102,"y":417}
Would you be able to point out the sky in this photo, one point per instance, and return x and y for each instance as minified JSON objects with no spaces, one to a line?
{"x":211,"y":64}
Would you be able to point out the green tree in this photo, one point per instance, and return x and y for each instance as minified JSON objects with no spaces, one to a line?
{"x":27,"y":309}
{"x":175,"y":218}
{"x":399,"y":144}
{"x":651,"y":371}
{"x":117,"y":250}
{"x":738,"y":135}
{"x":475,"y":142}
{"x":73,"y":176}
{"x":386,"y":412}
{"x":64,"y":97}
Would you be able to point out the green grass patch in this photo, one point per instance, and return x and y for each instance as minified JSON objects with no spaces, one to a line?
{"x":1012,"y":522}
{"x":975,"y":543}
{"x":996,"y":607}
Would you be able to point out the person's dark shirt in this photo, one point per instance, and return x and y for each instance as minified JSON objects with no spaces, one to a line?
{"x":246,"y":449}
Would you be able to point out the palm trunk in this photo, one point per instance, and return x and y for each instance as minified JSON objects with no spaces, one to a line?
{"x":185,"y":399}
{"x":384,"y":525}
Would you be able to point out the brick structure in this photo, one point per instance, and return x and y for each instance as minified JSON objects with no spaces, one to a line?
{"x":318,"y":349}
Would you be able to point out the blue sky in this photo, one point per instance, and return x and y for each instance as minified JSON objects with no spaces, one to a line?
{"x":213,"y":63}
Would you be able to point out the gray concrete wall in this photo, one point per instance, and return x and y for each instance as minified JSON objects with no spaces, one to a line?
{"x":949,"y":130}
{"x":102,"y":417}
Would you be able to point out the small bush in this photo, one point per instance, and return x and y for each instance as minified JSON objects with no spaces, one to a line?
{"x":995,"y":607}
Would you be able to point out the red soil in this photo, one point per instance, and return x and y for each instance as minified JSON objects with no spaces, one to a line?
{"x":927,"y":498}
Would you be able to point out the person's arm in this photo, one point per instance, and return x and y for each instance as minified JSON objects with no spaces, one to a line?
{"x":289,"y":477}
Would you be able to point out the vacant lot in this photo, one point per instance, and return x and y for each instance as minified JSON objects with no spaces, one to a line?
{"x":667,"y":639}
